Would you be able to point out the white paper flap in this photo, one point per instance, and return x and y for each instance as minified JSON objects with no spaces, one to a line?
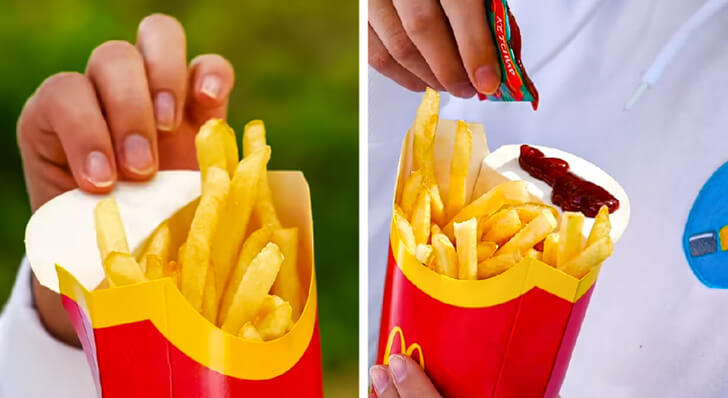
{"x":62,"y":231}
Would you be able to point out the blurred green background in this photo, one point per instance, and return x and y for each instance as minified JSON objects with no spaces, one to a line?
{"x":296,"y":68}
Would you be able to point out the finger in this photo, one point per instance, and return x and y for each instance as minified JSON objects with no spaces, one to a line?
{"x":383,"y":19}
{"x":382,"y":382}
{"x":383,"y":62}
{"x":211,"y":80}
{"x":61,"y":127}
{"x":117,"y":71}
{"x":427,"y":27}
{"x":162,"y":43}
{"x":475,"y":42}
{"x":409,"y":378}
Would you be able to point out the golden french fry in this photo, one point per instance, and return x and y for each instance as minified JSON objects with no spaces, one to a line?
{"x":238,"y":208}
{"x":288,"y":283}
{"x":424,"y":254}
{"x":274,"y":318}
{"x":446,"y":258}
{"x":438,"y":208}
{"x":533,"y":253}
{"x":423,"y":129}
{"x":210,"y":297}
{"x":491,"y":201}
{"x":110,"y":235}
{"x":251,"y":247}
{"x":216,"y":146}
{"x":121,"y":269}
{"x":551,"y":249}
{"x":530,"y":235}
{"x":498,"y":264}
{"x":486,"y":250}
{"x":459,"y":166}
{"x":264,"y":210}
{"x":570,"y":237}
{"x":249,"y":332}
{"x":254,"y":286}
{"x":529,"y":211}
{"x":154,"y":267}
{"x":421,"y":218}
{"x":467,"y":248}
{"x":180,"y":254}
{"x":158,"y":245}
{"x":590,"y":257}
{"x":504,"y":227}
{"x":196,"y":255}
{"x":602,"y":226}
{"x":410,"y":191}
{"x":406,"y":234}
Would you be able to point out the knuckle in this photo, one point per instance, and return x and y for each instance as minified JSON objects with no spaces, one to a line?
{"x":59,"y":83}
{"x":113,"y":50}
{"x":402,"y":49}
{"x":380,"y":60}
{"x":419,"y":22}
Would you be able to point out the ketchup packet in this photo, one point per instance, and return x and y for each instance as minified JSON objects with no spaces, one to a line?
{"x":515,"y":83}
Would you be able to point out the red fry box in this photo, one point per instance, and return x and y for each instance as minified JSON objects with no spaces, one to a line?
{"x":146,"y":340}
{"x":510,"y":335}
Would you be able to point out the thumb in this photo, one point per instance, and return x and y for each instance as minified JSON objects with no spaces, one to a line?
{"x":410,"y":379}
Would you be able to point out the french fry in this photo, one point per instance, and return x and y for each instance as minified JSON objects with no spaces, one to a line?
{"x":602,"y":226}
{"x":498,"y":264}
{"x":590,"y":257}
{"x":486,"y":250}
{"x":251,"y":247}
{"x":121,"y":269}
{"x":438,"y":208}
{"x":570,"y":237}
{"x":238,"y":208}
{"x":551,"y":249}
{"x":216,"y":146}
{"x":256,"y":283}
{"x":410,"y":191}
{"x":406,"y":234}
{"x":529,"y":211}
{"x":424,"y":128}
{"x":533,"y":253}
{"x":180,"y":254}
{"x":274,"y":318}
{"x":459,"y":166}
{"x":504,"y":227}
{"x":446,"y":258}
{"x":490,"y":202}
{"x":424,"y":254}
{"x":421,"y":218}
{"x":288,"y":283}
{"x":249,"y":332}
{"x":264,"y":209}
{"x":210,"y":297}
{"x":196,"y":256}
{"x":155,"y":267}
{"x":110,"y":235}
{"x":467,"y":249}
{"x":531,"y":234}
{"x":158,"y":245}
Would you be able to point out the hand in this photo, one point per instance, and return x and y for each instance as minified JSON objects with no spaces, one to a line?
{"x":403,"y":378}
{"x":135,"y":110}
{"x":444,"y":44}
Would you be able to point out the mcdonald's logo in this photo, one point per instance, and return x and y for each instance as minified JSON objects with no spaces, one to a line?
{"x":403,"y":348}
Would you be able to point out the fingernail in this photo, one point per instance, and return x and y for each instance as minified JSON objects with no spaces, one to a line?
{"x":380,"y":378}
{"x":398,"y":367}
{"x":98,"y":170}
{"x":464,"y":89}
{"x":138,"y":154}
{"x":211,"y":86}
{"x":164,"y":110}
{"x":487,"y":78}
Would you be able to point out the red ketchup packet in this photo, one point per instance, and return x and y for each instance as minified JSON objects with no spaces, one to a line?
{"x":515,"y":84}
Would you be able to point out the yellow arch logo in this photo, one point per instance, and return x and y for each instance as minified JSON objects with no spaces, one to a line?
{"x":397,"y":331}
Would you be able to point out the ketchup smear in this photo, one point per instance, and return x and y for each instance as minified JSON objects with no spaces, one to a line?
{"x":570,"y":192}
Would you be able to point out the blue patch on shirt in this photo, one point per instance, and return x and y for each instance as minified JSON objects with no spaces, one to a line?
{"x":701,"y":241}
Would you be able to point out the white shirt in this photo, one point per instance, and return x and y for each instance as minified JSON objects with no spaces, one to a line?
{"x":652,"y":328}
